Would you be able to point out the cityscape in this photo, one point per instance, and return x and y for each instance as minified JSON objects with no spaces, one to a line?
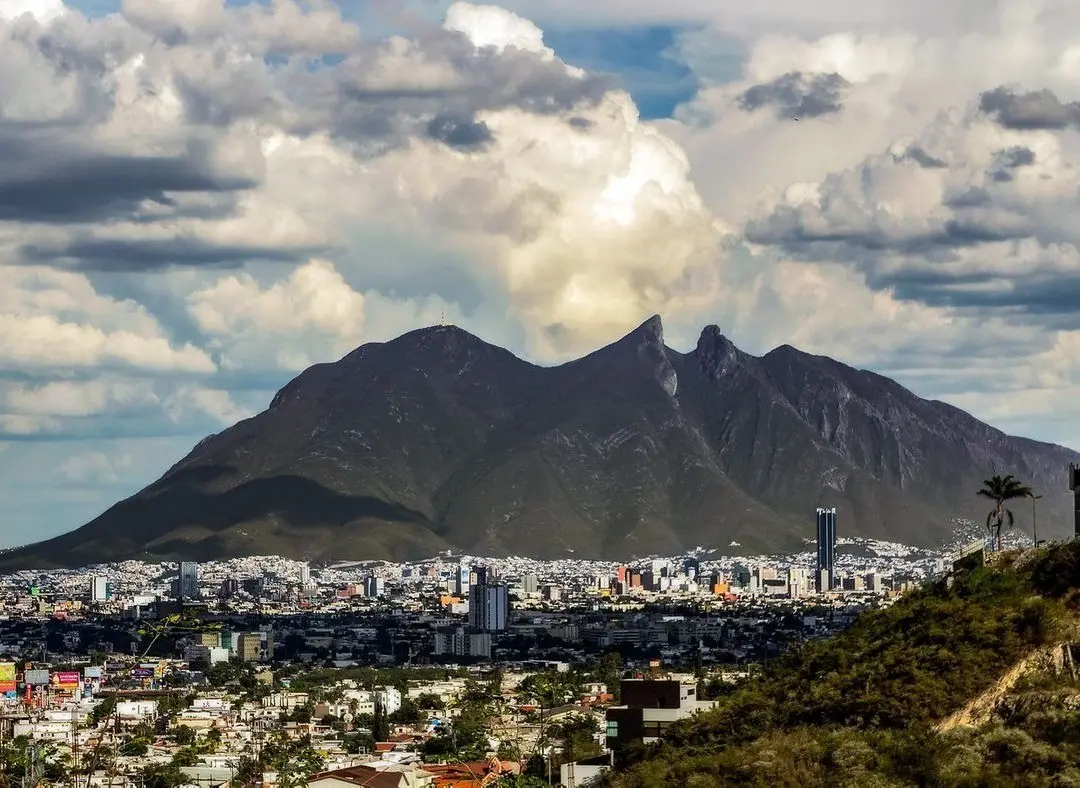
{"x":180,"y":673}
{"x":539,"y":394}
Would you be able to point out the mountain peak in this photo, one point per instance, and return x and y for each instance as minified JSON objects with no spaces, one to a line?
{"x":439,"y":439}
{"x":716,"y":353}
{"x":651,"y":332}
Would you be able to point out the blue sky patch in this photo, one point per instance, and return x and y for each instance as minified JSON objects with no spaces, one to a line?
{"x":645,"y":59}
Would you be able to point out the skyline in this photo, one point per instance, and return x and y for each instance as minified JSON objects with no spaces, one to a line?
{"x":199,"y":201}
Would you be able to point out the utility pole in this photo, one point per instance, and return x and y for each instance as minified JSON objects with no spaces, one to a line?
{"x":1034,"y":531}
{"x":75,"y":747}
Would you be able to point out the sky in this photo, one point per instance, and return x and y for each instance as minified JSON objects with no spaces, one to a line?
{"x":199,"y":199}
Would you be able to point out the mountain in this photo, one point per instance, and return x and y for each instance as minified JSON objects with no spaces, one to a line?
{"x":969,"y":681}
{"x":437,"y":440}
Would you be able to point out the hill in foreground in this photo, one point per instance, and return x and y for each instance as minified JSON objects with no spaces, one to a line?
{"x":967,"y":685}
{"x":439,"y":440}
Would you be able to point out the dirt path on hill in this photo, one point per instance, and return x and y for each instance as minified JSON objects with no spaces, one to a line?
{"x":978,"y":710}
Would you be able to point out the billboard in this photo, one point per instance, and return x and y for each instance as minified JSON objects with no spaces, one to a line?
{"x":67,"y":679}
{"x":7,"y":679}
{"x":37,"y":678}
{"x":92,"y":672}
{"x":142,"y":673}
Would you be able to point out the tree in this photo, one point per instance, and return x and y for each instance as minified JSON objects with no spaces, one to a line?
{"x":1000,"y":490}
{"x":21,"y":757}
{"x":133,"y":747}
{"x":183,"y":735}
{"x":609,"y":669}
{"x":380,"y":724}
{"x":103,"y":710}
{"x":295,"y":760}
{"x":162,"y":775}
{"x":185,"y":756}
{"x":520,"y":781}
{"x":577,"y":737}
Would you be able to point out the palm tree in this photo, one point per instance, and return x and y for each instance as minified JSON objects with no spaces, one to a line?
{"x":1001,"y":489}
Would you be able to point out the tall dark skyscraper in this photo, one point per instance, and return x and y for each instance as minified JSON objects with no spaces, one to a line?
{"x":1074,"y":485}
{"x":826,"y":549}
{"x":188,"y":582}
{"x":489,"y":602}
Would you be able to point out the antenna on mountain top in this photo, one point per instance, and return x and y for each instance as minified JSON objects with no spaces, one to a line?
{"x":442,"y":316}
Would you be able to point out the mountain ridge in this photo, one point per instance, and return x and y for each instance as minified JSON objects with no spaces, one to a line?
{"x":438,"y":439}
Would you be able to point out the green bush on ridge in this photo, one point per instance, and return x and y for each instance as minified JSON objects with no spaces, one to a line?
{"x":858,"y":709}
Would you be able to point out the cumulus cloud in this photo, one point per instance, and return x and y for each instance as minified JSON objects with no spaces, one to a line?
{"x":52,"y":319}
{"x":797,"y":95}
{"x":215,"y":403}
{"x":94,"y":467}
{"x":1036,"y":109}
{"x":199,"y":199}
{"x":296,"y":322}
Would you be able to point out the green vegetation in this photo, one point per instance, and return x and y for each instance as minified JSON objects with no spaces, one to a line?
{"x":860,"y":708}
{"x":316,"y":682}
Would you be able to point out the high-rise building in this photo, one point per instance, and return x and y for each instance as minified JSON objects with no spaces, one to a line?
{"x":796,"y":582}
{"x":100,"y":591}
{"x":230,"y":587}
{"x":188,"y":581}
{"x":249,"y":647}
{"x":305,"y":574}
{"x":1074,"y":485}
{"x":530,"y":584}
{"x":489,"y":603}
{"x":826,"y":549}
{"x":461,"y":581}
{"x":373,"y":586}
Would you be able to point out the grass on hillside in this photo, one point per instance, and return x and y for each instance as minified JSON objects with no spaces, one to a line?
{"x":858,"y":709}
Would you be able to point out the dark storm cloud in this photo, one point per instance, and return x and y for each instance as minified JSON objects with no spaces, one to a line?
{"x":52,"y":170}
{"x":1016,"y":156}
{"x":50,"y":180}
{"x":346,"y":101}
{"x":786,"y":228}
{"x":465,"y":134}
{"x":798,"y":94}
{"x":1009,"y":159}
{"x":128,"y":255}
{"x":974,"y":197}
{"x":1029,"y":111}
{"x":1052,"y":296}
{"x":922,"y":158}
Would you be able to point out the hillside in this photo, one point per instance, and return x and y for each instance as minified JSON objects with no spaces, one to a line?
{"x":959,"y":686}
{"x":438,"y":439}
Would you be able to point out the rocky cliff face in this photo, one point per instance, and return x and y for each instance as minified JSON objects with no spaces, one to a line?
{"x":438,"y":439}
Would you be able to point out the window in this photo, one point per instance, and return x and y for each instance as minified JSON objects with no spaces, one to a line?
{"x":613,"y":729}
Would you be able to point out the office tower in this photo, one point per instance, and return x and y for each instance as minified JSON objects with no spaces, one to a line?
{"x":1074,"y":485}
{"x":489,"y":604}
{"x":530,"y":584}
{"x":796,"y":582}
{"x":305,"y":574}
{"x":740,"y":575}
{"x":188,"y":581}
{"x":373,"y":586}
{"x":826,"y":549}
{"x":249,"y":646}
{"x":691,"y":567}
{"x":461,"y":581}
{"x":99,"y":589}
